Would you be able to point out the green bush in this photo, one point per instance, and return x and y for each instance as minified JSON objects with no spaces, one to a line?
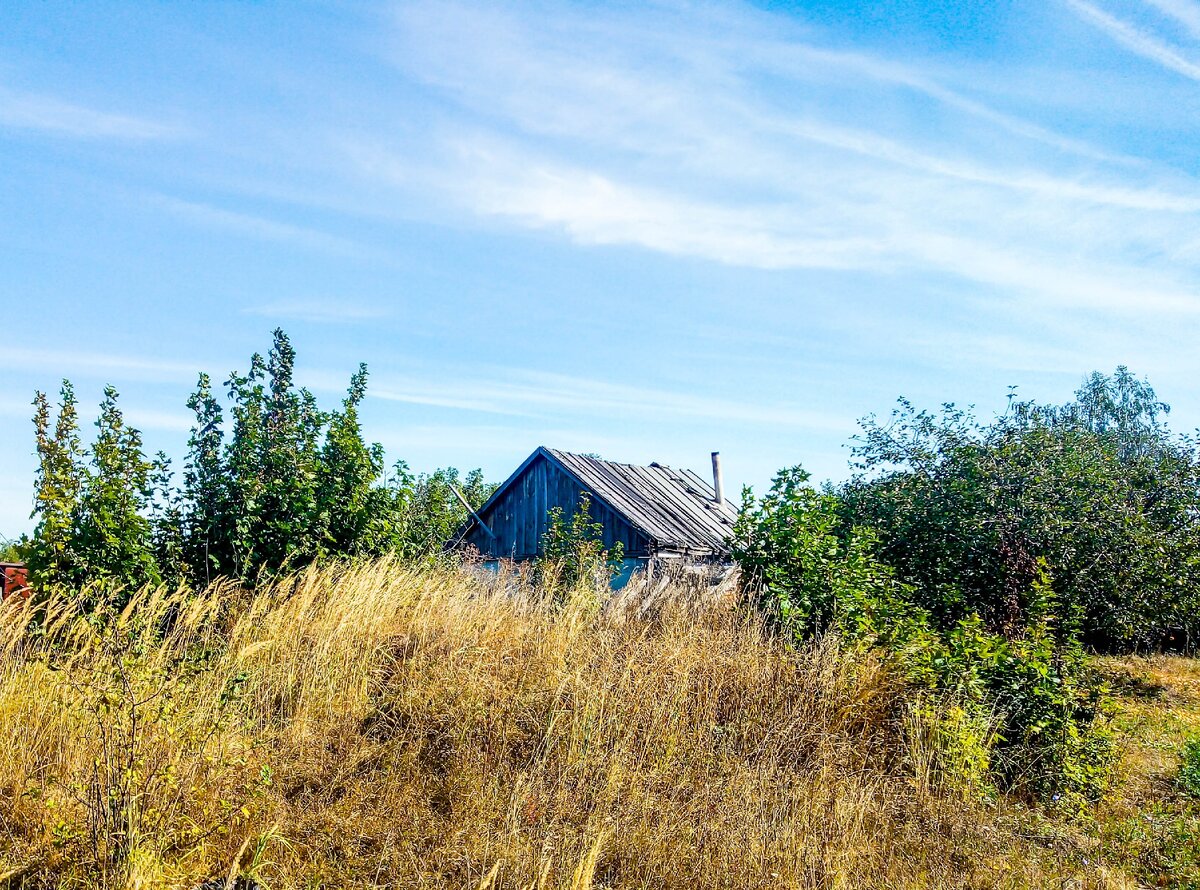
{"x":13,"y":551}
{"x":803,"y":575}
{"x":573,"y":558}
{"x":1024,"y":708}
{"x":950,"y":745}
{"x":1098,"y":488}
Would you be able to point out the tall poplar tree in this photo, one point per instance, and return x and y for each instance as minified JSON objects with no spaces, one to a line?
{"x":52,"y":552}
{"x":115,"y":537}
{"x":207,"y":533}
{"x":354,"y":511}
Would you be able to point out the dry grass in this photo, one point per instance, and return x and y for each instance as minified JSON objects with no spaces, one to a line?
{"x":376,"y":726}
{"x":1149,"y":825}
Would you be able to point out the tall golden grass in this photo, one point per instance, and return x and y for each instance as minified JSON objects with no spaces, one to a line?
{"x":380,"y":726}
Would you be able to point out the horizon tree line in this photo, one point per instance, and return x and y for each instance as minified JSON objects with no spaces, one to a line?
{"x":270,"y":481}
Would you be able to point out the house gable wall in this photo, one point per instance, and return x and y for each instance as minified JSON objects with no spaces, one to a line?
{"x":518,"y":518}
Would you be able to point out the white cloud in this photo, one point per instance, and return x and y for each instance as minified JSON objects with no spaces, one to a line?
{"x":1140,"y":42}
{"x":527,"y":393}
{"x":594,"y":209}
{"x":258,"y":227}
{"x":332,"y":310}
{"x":894,"y":222}
{"x":1186,"y":12}
{"x":600,"y":128}
{"x":28,"y":111}
{"x":65,"y":363}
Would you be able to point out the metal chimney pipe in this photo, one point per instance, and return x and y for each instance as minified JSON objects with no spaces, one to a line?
{"x":717,"y":486}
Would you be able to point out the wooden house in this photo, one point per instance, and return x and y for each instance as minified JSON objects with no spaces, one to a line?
{"x":655,"y":512}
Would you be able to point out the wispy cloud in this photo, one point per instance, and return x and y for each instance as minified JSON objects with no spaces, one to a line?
{"x":1186,"y":12}
{"x":595,"y":209}
{"x":139,"y":417}
{"x":881,"y":222}
{"x":258,"y":227}
{"x":793,"y":58}
{"x":521,"y":392}
{"x":63,"y":363}
{"x":1137,"y":40}
{"x":328,"y":311}
{"x":675,"y":146}
{"x":29,"y":111}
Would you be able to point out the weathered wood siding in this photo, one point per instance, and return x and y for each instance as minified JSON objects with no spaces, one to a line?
{"x":518,"y":518}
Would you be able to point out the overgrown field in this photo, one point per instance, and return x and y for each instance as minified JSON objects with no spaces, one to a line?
{"x":379,"y":726}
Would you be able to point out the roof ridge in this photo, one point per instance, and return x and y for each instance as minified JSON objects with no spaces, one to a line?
{"x":674,"y":507}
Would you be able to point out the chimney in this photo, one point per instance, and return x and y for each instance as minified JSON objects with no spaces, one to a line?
{"x":717,"y":487}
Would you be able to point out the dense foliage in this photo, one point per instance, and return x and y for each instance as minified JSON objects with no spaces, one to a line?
{"x":791,"y":553}
{"x":985,"y":557}
{"x":285,"y":484}
{"x":1021,"y":710}
{"x":92,"y":505}
{"x":13,"y":551}
{"x":1099,"y":489}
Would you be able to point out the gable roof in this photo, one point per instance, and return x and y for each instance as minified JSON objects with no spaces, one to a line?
{"x":675,"y":509}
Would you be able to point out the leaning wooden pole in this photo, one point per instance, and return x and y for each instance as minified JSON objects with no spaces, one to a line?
{"x":462,"y":500}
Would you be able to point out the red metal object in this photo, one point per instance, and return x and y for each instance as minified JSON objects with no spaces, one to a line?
{"x":14,"y":580}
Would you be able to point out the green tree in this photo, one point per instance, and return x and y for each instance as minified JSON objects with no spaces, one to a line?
{"x":54,"y":559}
{"x":1099,"y":489}
{"x":114,"y":535}
{"x":287,"y":528}
{"x":264,"y":493}
{"x":289,"y":484}
{"x":168,"y":523}
{"x":208,"y":547}
{"x":800,"y":570}
{"x":292,"y":483}
{"x":355,"y":511}
{"x":1122,"y":410}
{"x":431,"y":514}
{"x":244,"y":484}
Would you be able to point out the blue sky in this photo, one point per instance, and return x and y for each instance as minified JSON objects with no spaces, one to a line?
{"x":646,"y":230}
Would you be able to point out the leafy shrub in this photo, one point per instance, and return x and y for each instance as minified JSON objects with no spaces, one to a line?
{"x":803,"y":575}
{"x":13,"y":551}
{"x":1023,"y":707}
{"x":427,"y":513}
{"x":950,"y":745}
{"x":1099,"y":488}
{"x":573,"y":557}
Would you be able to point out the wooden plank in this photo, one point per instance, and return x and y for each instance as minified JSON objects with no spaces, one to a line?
{"x":644,"y":508}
